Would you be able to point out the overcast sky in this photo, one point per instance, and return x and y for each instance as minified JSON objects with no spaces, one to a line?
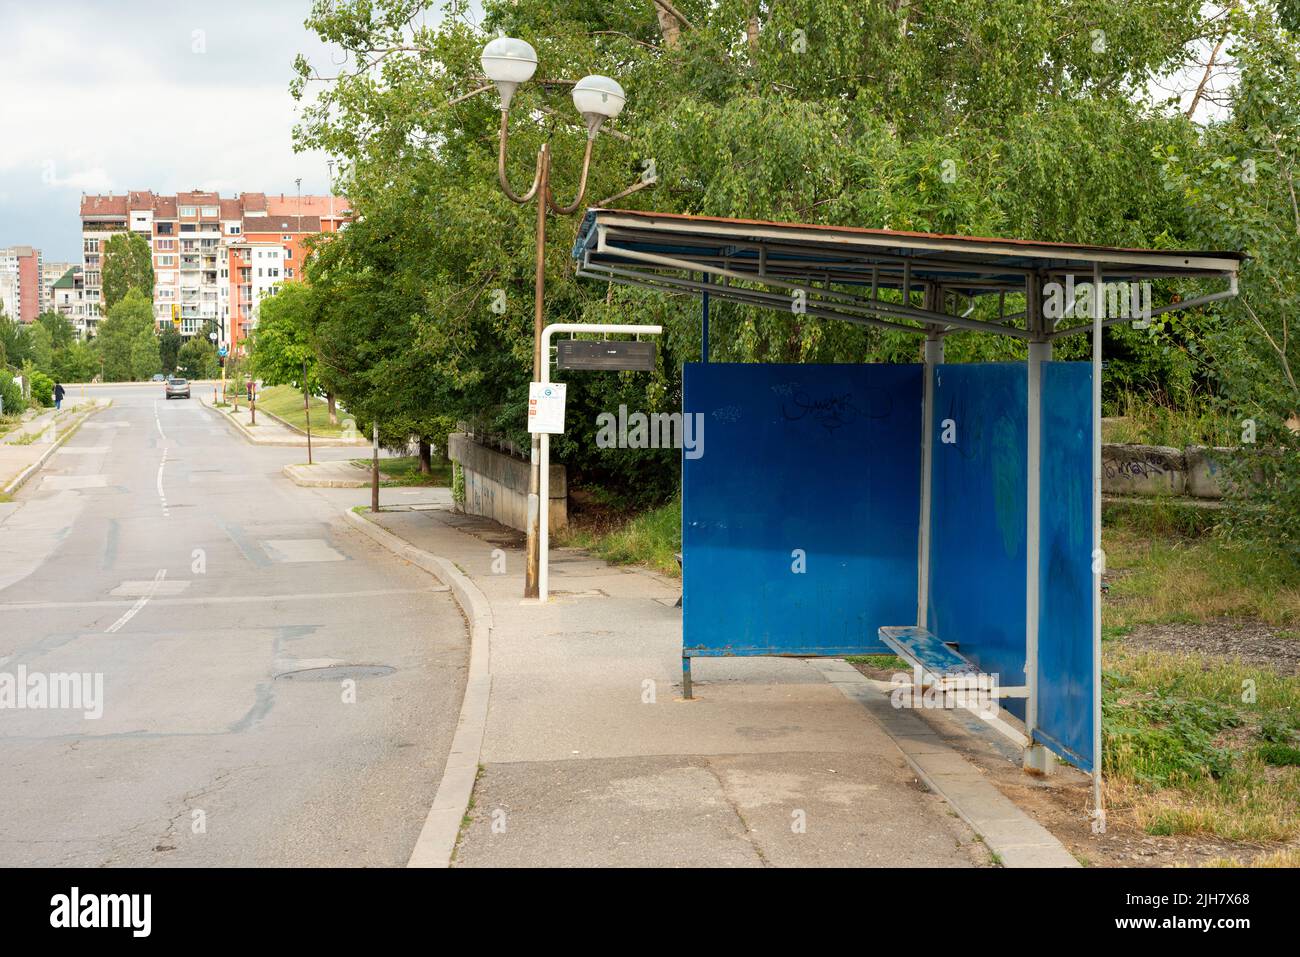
{"x":102,"y":96}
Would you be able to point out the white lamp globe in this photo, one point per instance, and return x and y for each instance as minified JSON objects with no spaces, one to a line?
{"x":507,"y":62}
{"x":598,"y":96}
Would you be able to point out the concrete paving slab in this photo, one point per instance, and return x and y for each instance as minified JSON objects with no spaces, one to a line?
{"x":591,"y":757}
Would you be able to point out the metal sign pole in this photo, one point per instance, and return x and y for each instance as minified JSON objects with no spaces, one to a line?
{"x":544,"y":481}
{"x":1098,"y":556}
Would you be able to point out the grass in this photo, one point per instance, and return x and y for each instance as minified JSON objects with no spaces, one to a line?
{"x":1186,"y":749}
{"x":405,"y":471}
{"x":1195,"y":745}
{"x":652,"y":538}
{"x":1164,"y":569}
{"x":285,"y":402}
{"x":883,"y":662}
{"x":1145,"y":421}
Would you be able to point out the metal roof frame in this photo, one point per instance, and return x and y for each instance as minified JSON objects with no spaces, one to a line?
{"x":842,"y":270}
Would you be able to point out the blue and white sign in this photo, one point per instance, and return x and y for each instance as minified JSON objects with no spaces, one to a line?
{"x":546,"y":407}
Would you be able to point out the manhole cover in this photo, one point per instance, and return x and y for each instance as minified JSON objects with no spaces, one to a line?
{"x":336,"y":673}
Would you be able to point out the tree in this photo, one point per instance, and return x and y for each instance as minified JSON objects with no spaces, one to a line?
{"x":197,"y":359}
{"x":76,"y":362}
{"x":1241,"y":192}
{"x":127,"y":324}
{"x":59,"y":327}
{"x":13,"y":345}
{"x":169,"y":344}
{"x":282,"y":342}
{"x":834,"y":111}
{"x":145,"y":360}
{"x":40,"y":348}
{"x":127,"y":265}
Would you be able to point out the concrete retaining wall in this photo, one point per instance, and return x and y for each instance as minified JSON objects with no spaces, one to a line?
{"x":496,"y":484}
{"x":1162,"y":470}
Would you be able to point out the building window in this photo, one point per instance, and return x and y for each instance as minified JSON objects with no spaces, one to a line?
{"x":288,"y":253}
{"x":187,"y":211}
{"x":166,"y":261}
{"x":211,"y":212}
{"x":164,"y":229}
{"x":187,"y":227}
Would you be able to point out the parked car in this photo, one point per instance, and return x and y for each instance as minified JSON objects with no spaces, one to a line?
{"x":177,"y":388}
{"x":159,"y":377}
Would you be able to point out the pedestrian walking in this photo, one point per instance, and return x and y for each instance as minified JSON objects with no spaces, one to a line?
{"x":58,"y":396}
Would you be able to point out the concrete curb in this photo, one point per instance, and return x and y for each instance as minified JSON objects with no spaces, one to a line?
{"x":322,"y":440}
{"x":319,"y":442}
{"x":437,"y":841}
{"x":1016,"y":838}
{"x":31,"y":470}
{"x":295,"y":475}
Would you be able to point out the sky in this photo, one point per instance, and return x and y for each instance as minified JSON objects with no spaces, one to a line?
{"x":114,"y":95}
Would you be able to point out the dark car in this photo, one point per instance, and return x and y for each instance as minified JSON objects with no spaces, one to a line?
{"x":177,"y":388}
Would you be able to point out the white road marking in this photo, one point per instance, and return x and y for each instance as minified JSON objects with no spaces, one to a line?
{"x":158,"y":421}
{"x":162,"y":496}
{"x":134,"y":589}
{"x":140,"y":603}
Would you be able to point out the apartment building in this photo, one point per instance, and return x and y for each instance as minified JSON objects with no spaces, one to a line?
{"x":214,"y":258}
{"x":69,"y":299}
{"x":20,"y":282}
{"x":51,"y":273}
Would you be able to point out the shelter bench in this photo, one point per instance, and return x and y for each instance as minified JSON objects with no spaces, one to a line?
{"x":939,"y":663}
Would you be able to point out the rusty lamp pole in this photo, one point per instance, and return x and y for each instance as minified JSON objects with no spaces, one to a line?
{"x":509,"y":62}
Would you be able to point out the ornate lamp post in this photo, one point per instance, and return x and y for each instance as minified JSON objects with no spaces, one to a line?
{"x":508,"y":62}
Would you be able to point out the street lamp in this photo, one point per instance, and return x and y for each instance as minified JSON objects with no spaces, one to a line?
{"x":508,"y":62}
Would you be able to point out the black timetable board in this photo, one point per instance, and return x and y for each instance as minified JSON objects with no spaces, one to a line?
{"x":605,"y":355}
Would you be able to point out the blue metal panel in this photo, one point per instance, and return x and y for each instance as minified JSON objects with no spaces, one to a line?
{"x":819,"y":458}
{"x":977,"y":516}
{"x":1065,"y":632}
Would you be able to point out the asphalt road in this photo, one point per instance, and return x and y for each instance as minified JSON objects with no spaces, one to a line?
{"x":238,"y":627}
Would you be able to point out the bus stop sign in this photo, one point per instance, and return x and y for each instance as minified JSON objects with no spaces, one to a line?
{"x":605,"y":355}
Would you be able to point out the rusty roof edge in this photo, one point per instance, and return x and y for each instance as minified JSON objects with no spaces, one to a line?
{"x":1020,"y":246}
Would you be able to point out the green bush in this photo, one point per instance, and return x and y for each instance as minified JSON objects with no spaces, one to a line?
{"x":42,"y":389}
{"x":11,"y":393}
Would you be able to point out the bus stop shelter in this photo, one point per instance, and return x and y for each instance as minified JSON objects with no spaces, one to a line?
{"x":946,"y":512}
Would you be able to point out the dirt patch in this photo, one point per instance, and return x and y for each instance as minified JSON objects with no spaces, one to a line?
{"x":1252,"y":642}
{"x":1060,"y":803}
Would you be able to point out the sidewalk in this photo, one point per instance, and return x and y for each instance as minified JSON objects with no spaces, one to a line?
{"x":24,"y":449}
{"x":269,"y":430}
{"x":591,"y":758}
